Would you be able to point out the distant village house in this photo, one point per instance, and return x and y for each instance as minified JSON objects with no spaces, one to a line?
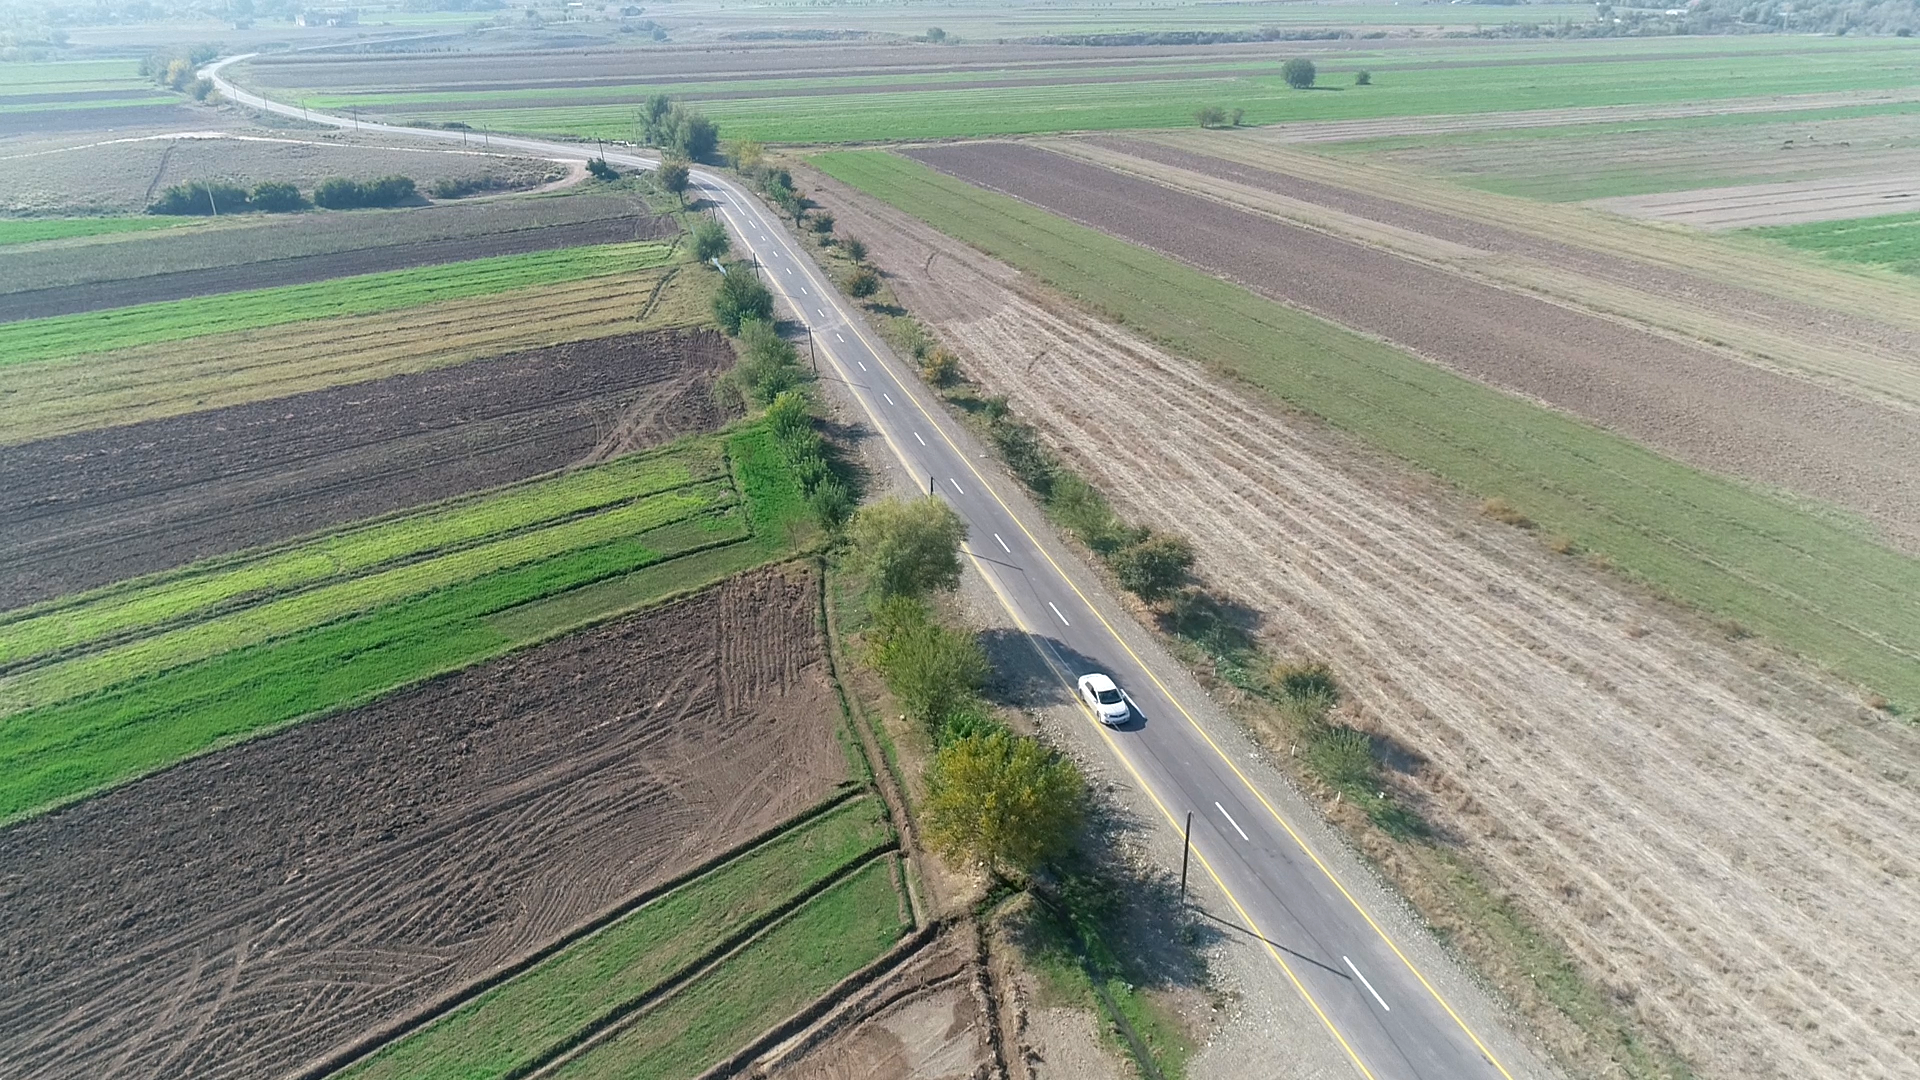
{"x":346,"y":17}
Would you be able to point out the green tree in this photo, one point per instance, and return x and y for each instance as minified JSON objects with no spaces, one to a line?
{"x":1363,"y":78}
{"x":1154,"y":566}
{"x":855,"y":248}
{"x":1211,"y":116}
{"x":674,"y":176}
{"x":769,"y":366}
{"x":741,"y":296}
{"x":745,"y":154}
{"x":823,"y":224}
{"x":907,"y":548}
{"x":710,"y":241}
{"x":1003,"y":800}
{"x":863,"y":282}
{"x":936,"y":35}
{"x":277,"y":197}
{"x":1298,"y":72}
{"x":935,"y":673}
{"x":1237,"y":117}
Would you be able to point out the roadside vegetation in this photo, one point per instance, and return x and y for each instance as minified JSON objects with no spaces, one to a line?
{"x":1818,"y":587}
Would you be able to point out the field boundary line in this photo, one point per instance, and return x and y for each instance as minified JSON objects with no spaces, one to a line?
{"x":616,"y":1021}
{"x":368,"y":1045}
{"x":836,"y":996}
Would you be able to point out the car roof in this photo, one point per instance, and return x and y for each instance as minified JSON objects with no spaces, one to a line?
{"x":1098,"y":681}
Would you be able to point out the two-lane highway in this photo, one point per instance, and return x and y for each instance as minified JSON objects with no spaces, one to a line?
{"x":1385,"y":1015}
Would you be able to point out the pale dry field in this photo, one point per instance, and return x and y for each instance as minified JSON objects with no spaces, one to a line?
{"x":1748,"y":205}
{"x":1722,"y":838}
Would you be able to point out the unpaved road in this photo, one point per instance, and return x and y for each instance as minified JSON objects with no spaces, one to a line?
{"x":1723,"y":839}
{"x":1700,"y":407}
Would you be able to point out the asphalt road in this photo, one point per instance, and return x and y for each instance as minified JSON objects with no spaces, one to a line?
{"x":1387,"y":1018}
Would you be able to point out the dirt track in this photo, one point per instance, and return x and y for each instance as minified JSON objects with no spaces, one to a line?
{"x":249,"y":912}
{"x":1722,"y":839}
{"x":83,"y":510}
{"x":1697,"y":406}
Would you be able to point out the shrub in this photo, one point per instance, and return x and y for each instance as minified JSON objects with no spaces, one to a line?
{"x":1020,"y":447}
{"x":277,"y":197}
{"x":863,"y":282}
{"x":600,"y":170}
{"x":1363,"y":78}
{"x":1306,"y":681}
{"x":823,"y":223}
{"x":768,"y":367}
{"x":1238,"y":115}
{"x":338,"y":193}
{"x":933,"y":672}
{"x":1084,"y":511}
{"x":1503,"y":511}
{"x":710,"y":241}
{"x":201,"y":89}
{"x":907,"y":548}
{"x":940,"y":368}
{"x":1343,"y":757}
{"x":1211,"y":116}
{"x":1154,"y":566}
{"x":200,"y":197}
{"x":741,"y":296}
{"x":1298,"y":72}
{"x":855,"y":248}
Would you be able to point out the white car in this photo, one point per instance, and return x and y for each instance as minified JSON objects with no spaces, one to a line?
{"x":1106,"y":700}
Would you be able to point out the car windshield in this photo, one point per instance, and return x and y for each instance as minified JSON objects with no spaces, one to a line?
{"x":1108,"y":697}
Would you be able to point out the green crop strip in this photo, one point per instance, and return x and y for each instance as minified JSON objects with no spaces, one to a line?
{"x":834,"y":935}
{"x":526,"y":1020}
{"x":130,"y":707}
{"x":1892,"y":241}
{"x":30,"y":231}
{"x":199,"y":591}
{"x":1816,"y":586}
{"x":98,"y":331}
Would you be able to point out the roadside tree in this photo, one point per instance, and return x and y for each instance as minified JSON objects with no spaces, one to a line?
{"x":1153,"y":567}
{"x":710,"y":241}
{"x":741,"y":296}
{"x":935,"y":673}
{"x":863,"y":283}
{"x":1003,"y":800}
{"x":674,"y":175}
{"x":907,"y":548}
{"x":855,"y":248}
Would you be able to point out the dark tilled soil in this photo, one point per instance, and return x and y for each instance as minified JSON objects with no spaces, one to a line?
{"x":257,"y":910}
{"x":95,"y":296}
{"x":1701,"y":408}
{"x":83,"y":510}
{"x":1747,"y":303}
{"x":54,"y":121}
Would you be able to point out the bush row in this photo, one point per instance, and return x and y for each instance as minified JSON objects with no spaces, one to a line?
{"x":279,"y":197}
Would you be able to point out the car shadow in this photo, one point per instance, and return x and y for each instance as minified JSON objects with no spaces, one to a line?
{"x":1029,"y":671}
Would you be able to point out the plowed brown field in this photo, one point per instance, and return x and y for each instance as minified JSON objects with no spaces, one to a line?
{"x":82,"y":510}
{"x":1721,"y":838}
{"x":252,"y":912}
{"x":1698,"y":406}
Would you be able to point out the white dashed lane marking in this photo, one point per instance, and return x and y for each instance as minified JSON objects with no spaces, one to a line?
{"x":1056,"y":611}
{"x":1003,"y":544}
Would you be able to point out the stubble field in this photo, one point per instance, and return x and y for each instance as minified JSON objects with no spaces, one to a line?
{"x":1727,"y":798}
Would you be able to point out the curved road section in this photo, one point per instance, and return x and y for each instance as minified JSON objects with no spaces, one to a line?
{"x":1382,"y":1012}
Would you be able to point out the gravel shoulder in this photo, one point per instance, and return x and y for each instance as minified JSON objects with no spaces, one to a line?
{"x":1718,"y":835}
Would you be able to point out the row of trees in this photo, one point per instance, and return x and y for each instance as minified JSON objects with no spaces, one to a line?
{"x":203,"y":198}
{"x":1006,"y":801}
{"x":677,"y":129}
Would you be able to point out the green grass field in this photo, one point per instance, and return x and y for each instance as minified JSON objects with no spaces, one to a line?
{"x":527,"y":1020}
{"x":175,"y":665}
{"x":1892,"y":241}
{"x":958,"y":111}
{"x":66,"y":336}
{"x":1819,"y":587}
{"x":800,"y":958}
{"x":28,"y":231}
{"x":71,"y":76}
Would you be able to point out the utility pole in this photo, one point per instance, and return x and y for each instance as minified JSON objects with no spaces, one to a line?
{"x":1185,"y":850}
{"x":810,"y":353}
{"x":929,"y":483}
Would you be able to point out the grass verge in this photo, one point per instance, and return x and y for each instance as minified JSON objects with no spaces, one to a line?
{"x":530,"y":1019}
{"x":65,"y":336}
{"x":794,"y":962}
{"x":1892,"y":241}
{"x":310,"y":658}
{"x":33,"y":230}
{"x":1815,"y":586}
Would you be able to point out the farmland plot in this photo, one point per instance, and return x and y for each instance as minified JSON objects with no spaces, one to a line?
{"x":1726,"y":798}
{"x":258,"y":910}
{"x":1699,"y":407}
{"x":84,"y":510}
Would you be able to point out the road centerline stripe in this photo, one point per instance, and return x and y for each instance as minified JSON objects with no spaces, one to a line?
{"x":917,"y":438}
{"x":1230,"y":821}
{"x":1368,"y":985}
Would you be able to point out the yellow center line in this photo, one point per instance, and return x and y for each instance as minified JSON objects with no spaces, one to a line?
{"x":854,"y":325}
